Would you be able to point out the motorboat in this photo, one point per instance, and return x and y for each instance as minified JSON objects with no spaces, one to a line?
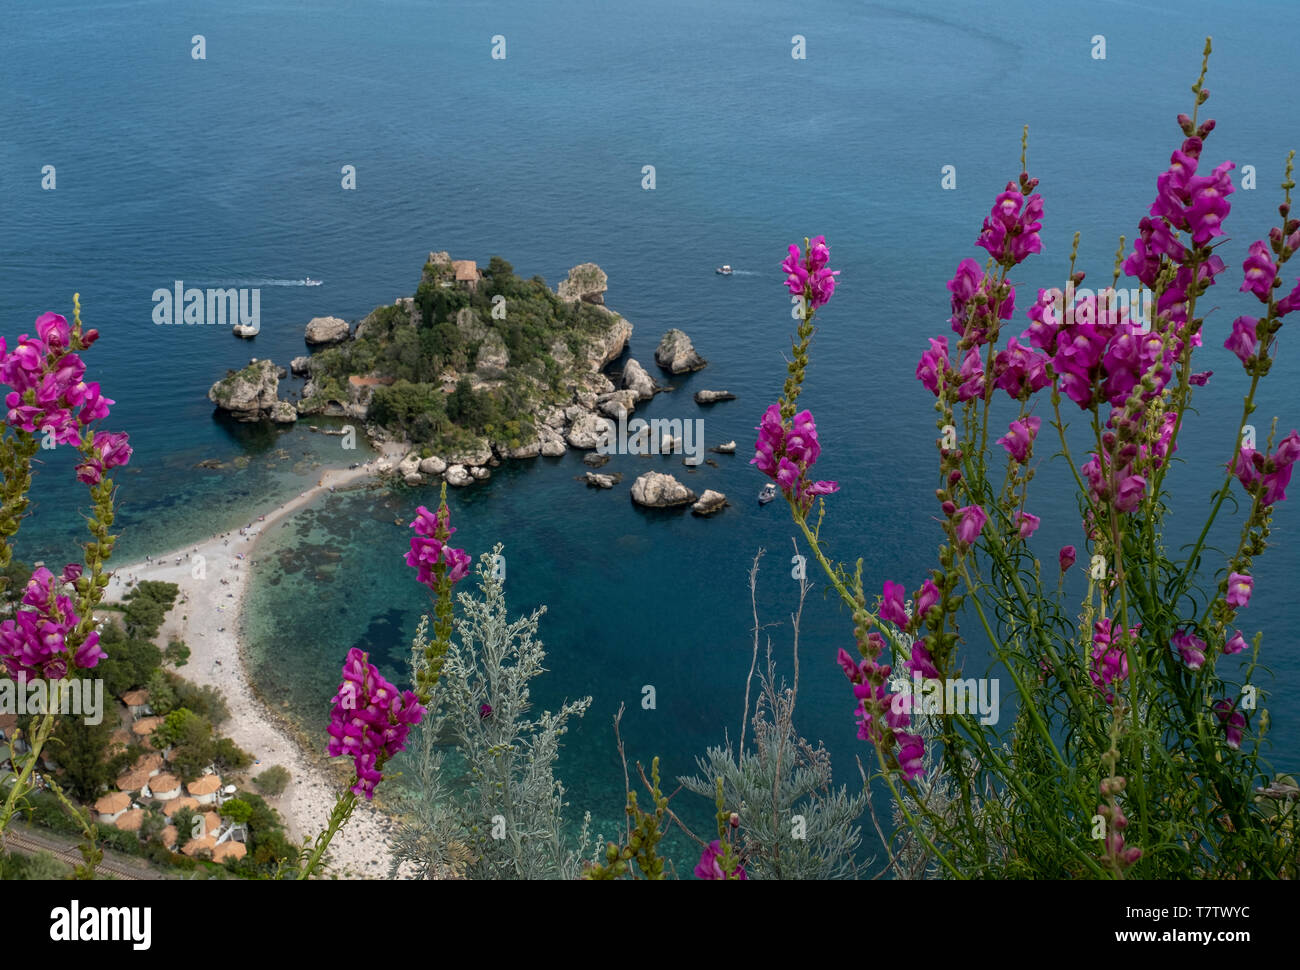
{"x":724,"y":270}
{"x":767,"y":494}
{"x":310,"y":282}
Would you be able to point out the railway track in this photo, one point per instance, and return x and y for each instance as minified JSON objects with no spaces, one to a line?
{"x":31,"y":843}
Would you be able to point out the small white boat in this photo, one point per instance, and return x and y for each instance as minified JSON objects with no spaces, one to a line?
{"x":767,"y":494}
{"x":311,"y":282}
{"x":724,"y":270}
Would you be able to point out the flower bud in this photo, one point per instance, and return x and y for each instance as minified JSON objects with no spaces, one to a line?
{"x":949,"y":509}
{"x":735,"y":820}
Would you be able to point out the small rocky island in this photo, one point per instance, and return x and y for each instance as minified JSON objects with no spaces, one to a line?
{"x":477,"y":367}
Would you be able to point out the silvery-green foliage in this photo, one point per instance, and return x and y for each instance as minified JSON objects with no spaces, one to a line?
{"x":493,"y":795}
{"x":781,"y":782}
{"x":912,"y":859}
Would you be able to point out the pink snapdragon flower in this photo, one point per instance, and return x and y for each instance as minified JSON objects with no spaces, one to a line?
{"x":428,"y":551}
{"x":891,"y":603}
{"x":1010,"y":233}
{"x":1019,"y":441}
{"x":786,"y":455}
{"x":1233,"y":722}
{"x":1240,"y":587}
{"x":810,"y":276}
{"x":1269,"y":475}
{"x":970,"y":522}
{"x":370,"y":720}
{"x":1109,"y":655}
{"x":1028,"y":524}
{"x":33,"y":641}
{"x":1191,"y":647}
{"x":1244,"y":339}
{"x":1260,"y":271}
{"x":1068,"y":556}
{"x":709,"y":866}
{"x":1236,"y":643}
{"x":927,"y":597}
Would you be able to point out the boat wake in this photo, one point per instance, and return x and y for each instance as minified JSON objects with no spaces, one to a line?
{"x":306,"y":281}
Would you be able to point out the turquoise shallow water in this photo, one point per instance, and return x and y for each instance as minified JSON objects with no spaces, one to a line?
{"x":228,"y":170}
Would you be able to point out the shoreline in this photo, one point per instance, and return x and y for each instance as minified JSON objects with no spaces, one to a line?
{"x":209,"y":618}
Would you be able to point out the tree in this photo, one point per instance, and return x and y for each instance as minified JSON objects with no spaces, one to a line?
{"x":237,"y":810}
{"x":177,"y":653}
{"x":273,"y":781}
{"x":130,"y":662}
{"x":81,"y":752}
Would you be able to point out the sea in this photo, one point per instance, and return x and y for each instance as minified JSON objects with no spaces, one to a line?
{"x":128,"y":164}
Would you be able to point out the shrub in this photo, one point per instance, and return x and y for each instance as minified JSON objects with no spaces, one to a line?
{"x":273,"y":781}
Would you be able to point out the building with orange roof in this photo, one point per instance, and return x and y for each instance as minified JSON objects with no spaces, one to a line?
{"x":205,"y":789}
{"x":229,"y":850}
{"x":137,"y":702}
{"x":194,"y":846}
{"x":467,"y":273}
{"x":133,"y":780}
{"x":143,"y":728}
{"x":167,"y":837}
{"x":176,"y":804}
{"x":112,"y":806}
{"x":211,"y":823}
{"x":151,"y":762}
{"x":130,"y":821}
{"x":165,"y":787}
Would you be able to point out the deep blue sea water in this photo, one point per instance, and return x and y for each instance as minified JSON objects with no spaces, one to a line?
{"x":227,"y":170}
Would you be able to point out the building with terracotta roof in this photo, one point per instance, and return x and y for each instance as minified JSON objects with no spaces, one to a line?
{"x":205,"y":789}
{"x":467,"y":273}
{"x":133,"y":780}
{"x":145,"y":727}
{"x":151,"y":762}
{"x":8,"y":728}
{"x":112,"y":806}
{"x":176,"y":804}
{"x":211,"y":823}
{"x":229,"y":850}
{"x":165,"y":787}
{"x":194,"y":846}
{"x":137,"y":702}
{"x":167,"y":837}
{"x":118,"y":741}
{"x":130,"y":821}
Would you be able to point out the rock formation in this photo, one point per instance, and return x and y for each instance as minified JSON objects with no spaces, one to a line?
{"x":637,"y":380}
{"x":657,"y":490}
{"x":586,"y":282}
{"x":709,"y":503}
{"x":251,"y":394}
{"x":326,"y":330}
{"x":677,"y":354}
{"x":713,"y":397}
